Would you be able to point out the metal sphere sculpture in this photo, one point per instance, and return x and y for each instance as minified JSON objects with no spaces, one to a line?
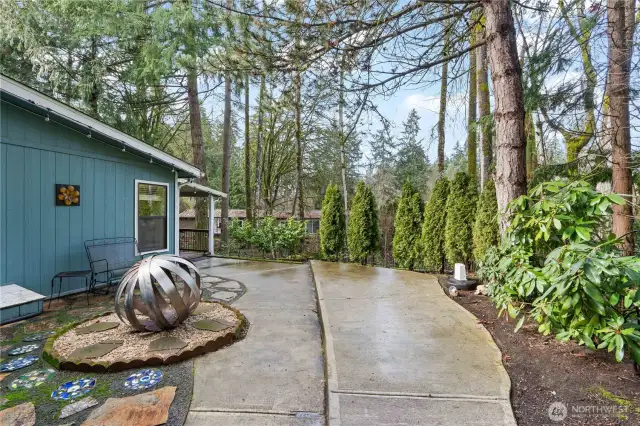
{"x":152,"y":288}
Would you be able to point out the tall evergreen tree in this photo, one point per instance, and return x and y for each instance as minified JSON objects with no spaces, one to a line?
{"x":411,"y":163}
{"x":332,"y":224}
{"x":461,"y":211}
{"x":435,"y":219}
{"x":363,"y":234}
{"x":408,"y":223}
{"x":485,"y":229}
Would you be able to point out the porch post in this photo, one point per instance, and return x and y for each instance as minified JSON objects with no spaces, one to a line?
{"x":176,"y":217}
{"x":211,"y":223}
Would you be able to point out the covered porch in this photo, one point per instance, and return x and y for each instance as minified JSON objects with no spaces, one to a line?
{"x":192,"y":241}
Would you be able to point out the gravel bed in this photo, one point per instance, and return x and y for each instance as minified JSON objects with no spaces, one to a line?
{"x":136,"y":343}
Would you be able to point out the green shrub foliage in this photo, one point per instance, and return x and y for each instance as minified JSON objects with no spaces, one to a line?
{"x":559,"y":266}
{"x":363,"y":233}
{"x":332,"y":226}
{"x":408,"y":224}
{"x":485,"y":229}
{"x":435,"y":219}
{"x":461,"y":214}
{"x":269,"y":236}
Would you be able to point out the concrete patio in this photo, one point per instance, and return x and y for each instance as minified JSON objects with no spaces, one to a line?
{"x":397,"y":351}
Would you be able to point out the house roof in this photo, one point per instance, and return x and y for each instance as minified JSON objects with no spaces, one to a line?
{"x":242,"y":214}
{"x":192,"y":189}
{"x":38,"y":103}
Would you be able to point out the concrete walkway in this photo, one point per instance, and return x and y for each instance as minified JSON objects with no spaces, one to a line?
{"x":275,"y":376}
{"x":400,"y":352}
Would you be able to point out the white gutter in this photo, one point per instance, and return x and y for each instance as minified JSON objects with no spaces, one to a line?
{"x":33,"y":96}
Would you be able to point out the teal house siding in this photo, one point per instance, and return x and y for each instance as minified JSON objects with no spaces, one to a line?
{"x":39,"y":239}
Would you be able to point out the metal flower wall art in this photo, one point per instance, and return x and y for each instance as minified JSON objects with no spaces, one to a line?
{"x":67,"y":195}
{"x":158,"y":293}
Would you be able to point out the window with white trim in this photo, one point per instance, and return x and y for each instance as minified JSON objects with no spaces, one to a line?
{"x":152,"y":210}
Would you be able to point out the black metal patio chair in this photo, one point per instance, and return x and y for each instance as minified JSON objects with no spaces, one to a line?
{"x":110,"y":259}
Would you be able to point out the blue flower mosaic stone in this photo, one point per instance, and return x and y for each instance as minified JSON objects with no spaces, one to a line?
{"x":20,"y":350}
{"x":39,"y":336}
{"x":18,"y":363}
{"x":143,"y":379}
{"x":74,"y":389}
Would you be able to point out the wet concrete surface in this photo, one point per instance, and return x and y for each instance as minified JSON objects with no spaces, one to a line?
{"x":399,"y":351}
{"x":278,"y":369}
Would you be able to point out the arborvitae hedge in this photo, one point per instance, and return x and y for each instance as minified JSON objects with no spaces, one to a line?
{"x":485,"y":229}
{"x":363,"y":234}
{"x":408,"y":224}
{"x":332,"y":226}
{"x":461,"y":215}
{"x":435,"y":219}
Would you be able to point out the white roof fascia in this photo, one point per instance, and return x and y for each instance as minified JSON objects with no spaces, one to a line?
{"x":33,"y":96}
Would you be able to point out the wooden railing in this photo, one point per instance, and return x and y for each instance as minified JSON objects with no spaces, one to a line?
{"x":194,"y":239}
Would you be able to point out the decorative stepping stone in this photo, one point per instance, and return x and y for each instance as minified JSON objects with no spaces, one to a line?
{"x":97,"y":327}
{"x":201,"y":309}
{"x":212,"y":325}
{"x":223,"y":295}
{"x":23,"y":415}
{"x":18,"y":363}
{"x":73,"y":389}
{"x":20,"y":350}
{"x":76,"y":407}
{"x":230,"y":285}
{"x":95,"y":351}
{"x":39,"y":336}
{"x":143,"y":379}
{"x":166,"y":343}
{"x":32,"y":379}
{"x":149,"y":408}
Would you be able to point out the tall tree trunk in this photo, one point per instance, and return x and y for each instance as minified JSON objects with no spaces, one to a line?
{"x":298,"y":121}
{"x":195,"y":125}
{"x":506,"y":74}
{"x":484,"y":109}
{"x":343,"y":143}
{"x":576,"y":141}
{"x":68,"y":88}
{"x":247,"y":154}
{"x":442,"y":116}
{"x":443,"y":97}
{"x":93,"y":97}
{"x":256,"y":201}
{"x":472,"y":142}
{"x":531,"y":151}
{"x":226,"y":160}
{"x":619,"y":67}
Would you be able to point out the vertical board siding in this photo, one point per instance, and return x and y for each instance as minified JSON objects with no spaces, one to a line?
{"x":40,"y":239}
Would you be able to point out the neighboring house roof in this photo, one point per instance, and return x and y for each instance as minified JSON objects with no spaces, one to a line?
{"x":47,"y":107}
{"x":242,"y":214}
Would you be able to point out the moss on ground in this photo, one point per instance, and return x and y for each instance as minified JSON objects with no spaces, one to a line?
{"x":618,"y":400}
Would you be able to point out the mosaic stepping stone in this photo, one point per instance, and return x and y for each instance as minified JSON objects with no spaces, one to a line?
{"x":39,"y":336}
{"x":32,"y":379}
{"x":96,"y":350}
{"x":143,"y":379}
{"x":20,"y":350}
{"x":212,"y":325}
{"x":166,"y":343}
{"x":73,"y":389}
{"x":97,"y":327}
{"x":18,"y":363}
